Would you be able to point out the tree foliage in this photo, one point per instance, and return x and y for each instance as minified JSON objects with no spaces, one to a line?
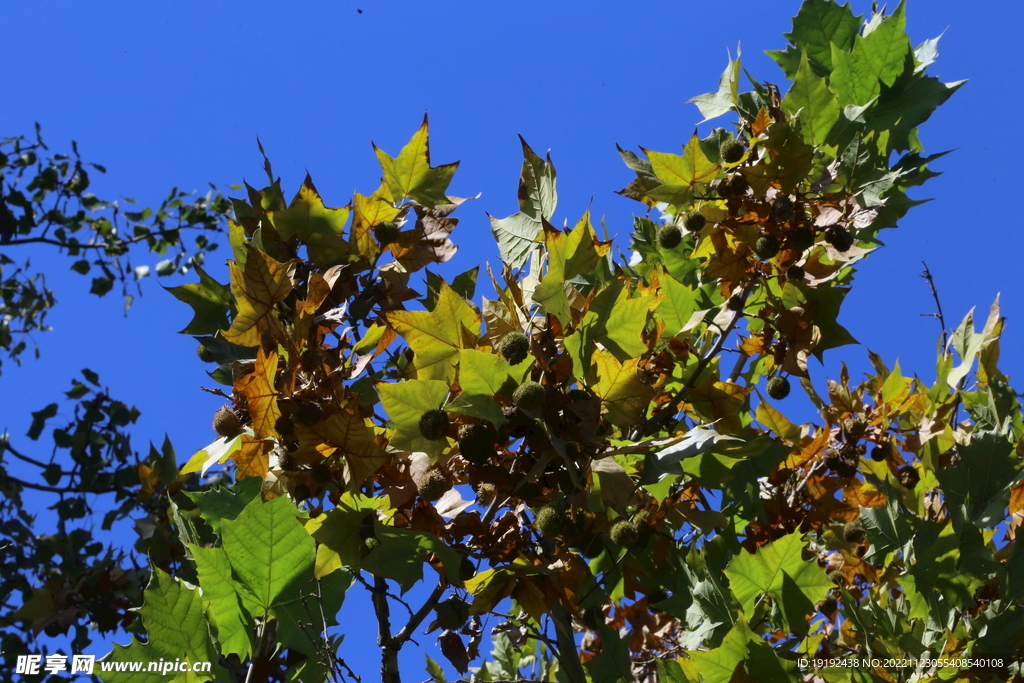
{"x":624,"y":499}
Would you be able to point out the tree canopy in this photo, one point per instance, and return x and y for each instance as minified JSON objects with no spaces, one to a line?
{"x":588,"y":474}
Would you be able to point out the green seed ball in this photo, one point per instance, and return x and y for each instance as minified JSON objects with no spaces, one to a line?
{"x":732,"y":150}
{"x":551,"y":521}
{"x":371,"y":544}
{"x":908,"y":476}
{"x":514,"y":347}
{"x":766,"y":246}
{"x":735,"y":303}
{"x":386,"y":232}
{"x":778,"y":388}
{"x":625,"y":534}
{"x":452,"y":613}
{"x":528,"y":396}
{"x":205,"y":354}
{"x":669,"y":236}
{"x":694,"y":221}
{"x":852,"y":531}
{"x":782,"y":209}
{"x":434,"y":424}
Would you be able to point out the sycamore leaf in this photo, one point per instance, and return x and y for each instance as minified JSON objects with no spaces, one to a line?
{"x":437,"y":336}
{"x":257,"y":288}
{"x":780,"y":571}
{"x":410,"y":175}
{"x":619,"y":320}
{"x":988,"y":468}
{"x":665,"y":462}
{"x":337,"y":532}
{"x":614,"y":663}
{"x":320,"y":228}
{"x":714,"y":104}
{"x":261,"y":396}
{"x":176,"y":628}
{"x":876,"y":59}
{"x":621,"y":391}
{"x":481,"y":376}
{"x":679,"y":173}
{"x":220,"y":503}
{"x":217,"y":452}
{"x":405,"y":403}
{"x":347,"y":434}
{"x":233,"y":626}
{"x":537,"y":194}
{"x":366,"y":213}
{"x":817,"y":26}
{"x":210,"y":302}
{"x":817,"y":106}
{"x":742,"y":657}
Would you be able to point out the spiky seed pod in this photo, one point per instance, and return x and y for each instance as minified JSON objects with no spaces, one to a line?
{"x":205,"y":354}
{"x":386,"y":232}
{"x":669,"y":236}
{"x":828,"y":606}
{"x":656,"y":595}
{"x":694,"y":221}
{"x":847,"y":467}
{"x":795,"y":272}
{"x":855,"y":428}
{"x":848,"y":451}
{"x":528,"y":396}
{"x":517,"y":423}
{"x":782,"y":209}
{"x":837,"y":577}
{"x":476,"y":442}
{"x":283,"y":425}
{"x":625,"y":534}
{"x":226,"y":422}
{"x":485,"y":493}
{"x":860,"y":551}
{"x":908,"y":476}
{"x":732,"y":187}
{"x":735,"y":303}
{"x":839,"y":237}
{"x":514,"y":347}
{"x":467,"y":570}
{"x":434,"y":424}
{"x":731,"y":150}
{"x":881,"y":451}
{"x":307,"y":413}
{"x":853,"y":532}
{"x":778,"y":388}
{"x":551,"y":521}
{"x":451,"y":613}
{"x":371,"y":543}
{"x":434,"y":485}
{"x":801,"y":238}
{"x":766,"y":247}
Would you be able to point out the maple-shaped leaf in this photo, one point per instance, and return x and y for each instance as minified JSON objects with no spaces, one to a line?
{"x":368,"y":212}
{"x":813,"y":102}
{"x":261,"y":284}
{"x":779,"y":571}
{"x":337,"y":532}
{"x":481,"y":377}
{"x":680,"y":174}
{"x":621,"y":318}
{"x":210,"y":302}
{"x":261,"y":396}
{"x":621,"y":391}
{"x":437,"y":336}
{"x":714,"y":401}
{"x":252,"y":459}
{"x":348,"y":436}
{"x":714,"y":104}
{"x":405,"y":403}
{"x":817,"y":26}
{"x":410,"y":175}
{"x":319,"y":227}
{"x":743,"y":657}
{"x":428,"y":240}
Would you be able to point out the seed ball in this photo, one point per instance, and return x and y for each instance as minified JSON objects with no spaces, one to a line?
{"x":795,"y":272}
{"x":853,"y":532}
{"x":476,"y":442}
{"x":226,"y":422}
{"x":205,"y":354}
{"x":782,"y":209}
{"x":847,"y":467}
{"x":307,"y":413}
{"x":485,"y":493}
{"x":517,"y":424}
{"x":467,"y":570}
{"x":909,"y":477}
{"x":828,"y":606}
{"x":694,"y":221}
{"x":778,"y":388}
{"x":860,"y":551}
{"x":434,"y":424}
{"x":529,"y":396}
{"x":386,"y":232}
{"x":766,"y":247}
{"x":800,"y":239}
{"x":855,"y":428}
{"x":837,"y":577}
{"x":732,"y":187}
{"x":624,"y":534}
{"x":735,"y":303}
{"x":732,"y":150}
{"x":434,"y":485}
{"x":578,"y":395}
{"x":839,"y":237}
{"x":452,"y":613}
{"x":514,"y":347}
{"x":880,"y":452}
{"x":551,"y":521}
{"x":371,"y":543}
{"x":669,"y":236}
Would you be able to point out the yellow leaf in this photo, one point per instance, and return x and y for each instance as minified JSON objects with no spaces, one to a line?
{"x":411,"y":175}
{"x":620,"y":389}
{"x":261,"y":395}
{"x":257,"y":288}
{"x":319,"y":227}
{"x":437,"y":336}
{"x":369,"y":211}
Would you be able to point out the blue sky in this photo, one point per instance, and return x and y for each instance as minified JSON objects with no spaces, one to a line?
{"x":174,"y":94}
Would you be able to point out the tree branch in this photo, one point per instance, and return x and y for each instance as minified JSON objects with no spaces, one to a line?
{"x":938,"y":304}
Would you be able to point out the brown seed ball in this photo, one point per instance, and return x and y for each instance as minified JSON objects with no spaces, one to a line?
{"x":434,"y":485}
{"x":855,"y":428}
{"x":226,"y":422}
{"x":476,"y":442}
{"x":828,"y":606}
{"x":839,"y":237}
{"x":852,"y":532}
{"x":880,"y":452}
{"x":467,"y":570}
{"x":782,"y":209}
{"x":800,"y":239}
{"x":732,"y":187}
{"x":307,"y":413}
{"x":908,"y":476}
{"x":795,"y":272}
{"x":735,"y":303}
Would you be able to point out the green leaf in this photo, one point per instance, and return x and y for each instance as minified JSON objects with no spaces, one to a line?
{"x":516,"y":236}
{"x":680,"y":173}
{"x":402,"y":552}
{"x":743,"y":656}
{"x":779,"y":570}
{"x":714,"y":104}
{"x":318,"y":227}
{"x":232,"y":625}
{"x":537,"y":194}
{"x":173,"y":615}
{"x":437,"y":336}
{"x":405,"y":403}
{"x":221,"y":503}
{"x":887,"y":529}
{"x":481,"y":376}
{"x":411,"y":175}
{"x":39,"y":419}
{"x":876,"y":59}
{"x":435,"y":671}
{"x":817,"y":26}
{"x":987,"y":469}
{"x":614,"y":663}
{"x":620,"y":320}
{"x":210,"y":302}
{"x":818,"y":107}
{"x":269,"y":550}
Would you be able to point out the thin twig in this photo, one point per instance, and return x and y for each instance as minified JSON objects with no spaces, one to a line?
{"x":927,"y":275}
{"x":416,"y":619}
